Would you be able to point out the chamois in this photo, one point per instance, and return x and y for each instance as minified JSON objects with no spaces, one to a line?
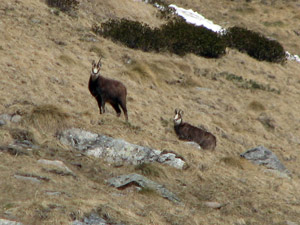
{"x":107,"y":90}
{"x":187,"y":132}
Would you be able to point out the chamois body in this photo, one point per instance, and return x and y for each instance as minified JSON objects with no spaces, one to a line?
{"x":107,"y":90}
{"x":188,"y":132}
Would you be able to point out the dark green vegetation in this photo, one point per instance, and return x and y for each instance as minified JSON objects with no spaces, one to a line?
{"x":176,"y":36}
{"x":182,"y":38}
{"x":255,"y":45}
{"x":64,"y":5}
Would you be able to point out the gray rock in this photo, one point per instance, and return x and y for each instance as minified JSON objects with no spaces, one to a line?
{"x":118,"y":150}
{"x":93,"y":219}
{"x":2,"y":122}
{"x":16,"y":118}
{"x":5,"y":117}
{"x":8,"y":222}
{"x":141,"y":181}
{"x":263,"y":156}
{"x":32,"y":179}
{"x":55,"y":163}
{"x":291,"y":223}
{"x":214,"y":205}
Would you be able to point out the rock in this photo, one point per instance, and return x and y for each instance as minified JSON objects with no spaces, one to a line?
{"x":141,"y":181}
{"x":25,"y":178}
{"x":118,"y":150}
{"x":60,"y":167}
{"x":2,"y":122}
{"x":93,"y":219}
{"x":8,"y":222}
{"x":263,"y":156}
{"x":55,"y":163}
{"x":5,"y":117}
{"x":16,"y":118}
{"x":291,"y":223}
{"x":214,"y":205}
{"x":31,"y":177}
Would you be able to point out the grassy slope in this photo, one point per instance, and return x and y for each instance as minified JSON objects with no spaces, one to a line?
{"x":35,"y":71}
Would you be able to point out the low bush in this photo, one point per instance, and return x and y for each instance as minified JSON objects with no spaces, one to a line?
{"x":64,"y":5}
{"x":255,"y":45}
{"x":176,"y":36}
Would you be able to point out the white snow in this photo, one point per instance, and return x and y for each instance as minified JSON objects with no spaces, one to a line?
{"x":195,"y":18}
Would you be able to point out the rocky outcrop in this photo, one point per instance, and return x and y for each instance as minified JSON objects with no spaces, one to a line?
{"x":8,"y":222}
{"x":141,"y":181}
{"x":117,"y":150}
{"x":263,"y":156}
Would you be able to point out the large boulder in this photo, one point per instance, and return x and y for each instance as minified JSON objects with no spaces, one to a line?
{"x":117,"y":150}
{"x":141,"y":181}
{"x":263,"y":156}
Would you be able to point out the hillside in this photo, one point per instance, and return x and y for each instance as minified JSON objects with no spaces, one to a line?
{"x":45,"y":66}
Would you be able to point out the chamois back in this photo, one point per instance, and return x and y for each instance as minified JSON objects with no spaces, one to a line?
{"x":188,"y":132}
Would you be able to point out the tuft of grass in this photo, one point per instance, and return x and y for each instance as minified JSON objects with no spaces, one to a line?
{"x":47,"y":119}
{"x":96,"y":50}
{"x":66,"y":59}
{"x":147,"y":191}
{"x":148,"y":169}
{"x":233,"y":162}
{"x":246,"y":9}
{"x":22,"y":135}
{"x":267,"y":121}
{"x":164,"y":122}
{"x":273,"y":24}
{"x":131,"y":126}
{"x":256,"y":106}
{"x":246,"y":84}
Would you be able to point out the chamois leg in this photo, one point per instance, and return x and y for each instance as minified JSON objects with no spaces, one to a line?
{"x":116,"y":108}
{"x":99,"y":101}
{"x":123,"y":106}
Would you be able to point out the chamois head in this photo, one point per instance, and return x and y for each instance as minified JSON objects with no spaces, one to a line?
{"x":178,"y":116}
{"x":96,"y":69}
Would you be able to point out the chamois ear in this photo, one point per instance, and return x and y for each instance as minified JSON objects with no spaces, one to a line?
{"x":99,"y":62}
{"x":180,"y":112}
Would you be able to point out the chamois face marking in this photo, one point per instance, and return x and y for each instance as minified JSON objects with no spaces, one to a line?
{"x":96,"y":69}
{"x":178,"y":116}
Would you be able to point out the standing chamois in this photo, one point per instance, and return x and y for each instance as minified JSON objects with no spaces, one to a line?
{"x":107,"y":90}
{"x":187,"y":132}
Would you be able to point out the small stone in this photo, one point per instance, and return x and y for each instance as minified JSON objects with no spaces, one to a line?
{"x":32,"y":179}
{"x":5,"y":117}
{"x":16,"y":118}
{"x":2,"y":122}
{"x":8,"y":222}
{"x":214,"y":205}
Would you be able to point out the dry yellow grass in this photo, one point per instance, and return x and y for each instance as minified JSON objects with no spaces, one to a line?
{"x":46,"y":83}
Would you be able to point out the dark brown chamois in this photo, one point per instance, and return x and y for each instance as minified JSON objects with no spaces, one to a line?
{"x":187,"y":132}
{"x":107,"y":90}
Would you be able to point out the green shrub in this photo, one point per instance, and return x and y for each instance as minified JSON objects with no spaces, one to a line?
{"x":176,"y":36}
{"x":255,"y":45}
{"x":64,"y":5}
{"x":133,"y":34}
{"x":181,"y":38}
